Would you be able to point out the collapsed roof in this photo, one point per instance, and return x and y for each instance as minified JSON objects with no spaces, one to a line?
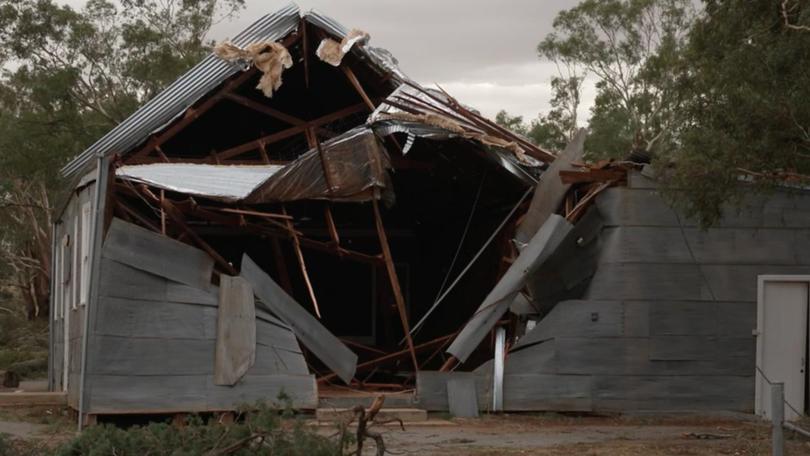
{"x":297,"y":114}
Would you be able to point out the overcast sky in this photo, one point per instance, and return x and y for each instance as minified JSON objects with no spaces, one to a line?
{"x":480,"y":51}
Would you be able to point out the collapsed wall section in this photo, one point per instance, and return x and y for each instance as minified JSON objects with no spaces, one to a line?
{"x":153,"y":335}
{"x":666,"y":321}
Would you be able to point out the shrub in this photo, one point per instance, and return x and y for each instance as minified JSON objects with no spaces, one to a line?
{"x":262,"y":431}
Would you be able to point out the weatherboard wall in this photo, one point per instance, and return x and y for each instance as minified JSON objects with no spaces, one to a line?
{"x":151,"y":346}
{"x":666,"y":321}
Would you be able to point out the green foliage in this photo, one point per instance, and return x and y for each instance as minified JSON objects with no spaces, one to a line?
{"x":632,"y":48}
{"x":264,"y":431}
{"x":513,"y":123}
{"x":553,"y":130}
{"x":69,"y":76}
{"x":747,"y":109}
{"x":66,"y":78}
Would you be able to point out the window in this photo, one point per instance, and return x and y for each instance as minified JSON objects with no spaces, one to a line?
{"x":87,"y":228}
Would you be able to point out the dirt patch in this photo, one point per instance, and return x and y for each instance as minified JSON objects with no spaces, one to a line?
{"x":552,"y":434}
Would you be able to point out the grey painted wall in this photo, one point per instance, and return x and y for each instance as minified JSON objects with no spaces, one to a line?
{"x":153,"y":333}
{"x":666,"y":321}
{"x":68,"y":309}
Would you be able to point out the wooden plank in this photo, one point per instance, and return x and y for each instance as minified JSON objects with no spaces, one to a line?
{"x":738,"y":282}
{"x":179,"y":219}
{"x":194,"y":393}
{"x":646,"y":282}
{"x":170,"y":356}
{"x":636,"y":318}
{"x":431,"y":389}
{"x":747,"y":246}
{"x":307,"y":329}
{"x":394,"y":280}
{"x":645,"y":244}
{"x":578,"y":318}
{"x":300,"y":389}
{"x":533,"y":392}
{"x":235,"y":350}
{"x":157,"y":254}
{"x":132,"y":317}
{"x":539,"y":248}
{"x":601,"y":355}
{"x":119,"y":280}
{"x":550,"y":191}
{"x":674,"y":393}
{"x":274,"y":361}
{"x":150,"y":356}
{"x":589,"y":175}
{"x":736,"y":319}
{"x":676,"y":318}
{"x":462,"y":397}
{"x":270,"y":335}
{"x":628,"y":207}
{"x":701,"y":348}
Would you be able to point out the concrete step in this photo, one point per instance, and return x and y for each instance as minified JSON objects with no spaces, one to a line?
{"x":407,"y":415}
{"x":347,"y":401}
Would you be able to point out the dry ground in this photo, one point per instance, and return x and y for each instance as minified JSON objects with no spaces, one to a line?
{"x":519,"y":434}
{"x":549,"y":435}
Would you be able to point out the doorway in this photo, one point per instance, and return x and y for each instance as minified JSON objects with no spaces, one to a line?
{"x":782,"y":343}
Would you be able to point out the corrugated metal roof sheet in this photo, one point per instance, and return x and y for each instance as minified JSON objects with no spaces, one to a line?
{"x":158,"y":112}
{"x":230,"y":182}
{"x":184,"y":92}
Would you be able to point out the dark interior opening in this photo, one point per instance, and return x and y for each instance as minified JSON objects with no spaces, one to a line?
{"x":455,"y":192}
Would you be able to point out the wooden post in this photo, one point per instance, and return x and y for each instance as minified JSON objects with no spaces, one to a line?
{"x":300,"y":256}
{"x":392,"y":276}
{"x":330,"y":224}
{"x":777,"y":419}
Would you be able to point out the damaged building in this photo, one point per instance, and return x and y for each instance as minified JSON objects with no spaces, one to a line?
{"x":296,"y":216}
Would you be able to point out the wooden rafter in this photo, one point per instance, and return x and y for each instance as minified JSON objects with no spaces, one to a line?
{"x":357,"y":86}
{"x":330,"y":224}
{"x":264,"y":109}
{"x":392,"y":276}
{"x":193,"y":113}
{"x":296,"y":130}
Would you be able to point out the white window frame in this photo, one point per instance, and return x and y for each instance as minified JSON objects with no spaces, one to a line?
{"x":75,"y":269}
{"x":67,"y":283}
{"x":58,"y":278}
{"x":86,"y":227}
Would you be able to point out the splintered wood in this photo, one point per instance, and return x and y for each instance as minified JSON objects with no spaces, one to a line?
{"x":588,"y":182}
